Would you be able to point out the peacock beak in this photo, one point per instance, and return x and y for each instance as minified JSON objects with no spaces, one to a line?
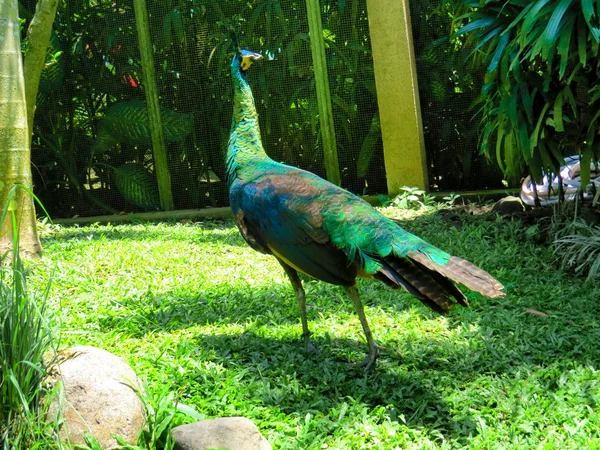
{"x":248,"y":59}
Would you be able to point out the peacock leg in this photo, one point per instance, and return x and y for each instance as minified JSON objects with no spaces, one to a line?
{"x":369,"y":362}
{"x":301,"y":298}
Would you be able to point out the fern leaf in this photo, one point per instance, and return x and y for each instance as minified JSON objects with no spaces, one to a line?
{"x":438,"y":91}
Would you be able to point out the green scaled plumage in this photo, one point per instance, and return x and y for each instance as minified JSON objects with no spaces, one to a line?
{"x":314,"y":227}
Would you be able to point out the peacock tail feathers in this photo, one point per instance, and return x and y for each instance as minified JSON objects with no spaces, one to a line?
{"x":326,"y":232}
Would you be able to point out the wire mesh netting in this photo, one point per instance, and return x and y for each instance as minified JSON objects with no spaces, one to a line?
{"x":92,"y":151}
{"x":448,"y":85}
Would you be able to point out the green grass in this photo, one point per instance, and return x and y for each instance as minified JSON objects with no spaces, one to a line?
{"x":26,"y":344}
{"x":191,"y":307}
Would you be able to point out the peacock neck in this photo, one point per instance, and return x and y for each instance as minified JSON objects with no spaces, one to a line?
{"x":245,"y":148}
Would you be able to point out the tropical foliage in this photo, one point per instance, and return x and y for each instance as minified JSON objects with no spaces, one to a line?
{"x":91,"y":123}
{"x":26,"y":338}
{"x":449,"y":82}
{"x":540,"y":98}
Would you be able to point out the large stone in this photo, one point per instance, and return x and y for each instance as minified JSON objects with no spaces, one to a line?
{"x":97,"y":397}
{"x":509,"y":205}
{"x":231,"y":433}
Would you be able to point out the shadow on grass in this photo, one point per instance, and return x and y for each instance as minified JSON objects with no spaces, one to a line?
{"x":545,"y":329}
{"x":217,"y":232}
{"x":300,"y":383}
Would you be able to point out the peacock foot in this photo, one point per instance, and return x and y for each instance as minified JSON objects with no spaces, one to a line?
{"x":371,"y":359}
{"x":310,"y":348}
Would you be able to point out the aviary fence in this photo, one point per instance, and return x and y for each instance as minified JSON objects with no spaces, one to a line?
{"x":135,"y":101}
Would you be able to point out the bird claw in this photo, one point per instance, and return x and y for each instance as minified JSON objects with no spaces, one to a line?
{"x":311,"y":349}
{"x":308,"y":345}
{"x":370,"y":360}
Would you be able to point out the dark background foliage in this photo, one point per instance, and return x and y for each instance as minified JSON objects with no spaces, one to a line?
{"x":91,"y":148}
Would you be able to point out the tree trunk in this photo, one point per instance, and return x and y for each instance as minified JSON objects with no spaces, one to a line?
{"x":38,"y":38}
{"x":15,"y":154}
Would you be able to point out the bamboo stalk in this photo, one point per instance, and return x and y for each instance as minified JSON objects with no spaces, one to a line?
{"x":159,"y":147}
{"x":317,"y":45}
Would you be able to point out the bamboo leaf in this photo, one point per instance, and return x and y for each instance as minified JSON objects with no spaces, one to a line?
{"x":552,"y":30}
{"x":587,"y":7}
{"x":582,"y":42}
{"x":530,"y":20}
{"x":524,"y":141}
{"x":526,"y":101}
{"x":519,"y":17}
{"x":475,"y":25}
{"x":368,"y":147}
{"x":564,"y":44}
{"x":536,"y":131}
{"x":492,"y":34}
{"x":586,"y":161}
{"x":498,"y":53}
{"x":558,"y":156}
{"x":571,"y":99}
{"x":558,"y":112}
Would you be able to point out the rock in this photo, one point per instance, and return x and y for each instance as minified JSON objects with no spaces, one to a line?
{"x":96,"y":397}
{"x":231,"y":433}
{"x":509,"y":205}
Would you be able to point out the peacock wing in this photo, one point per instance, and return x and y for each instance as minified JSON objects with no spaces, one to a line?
{"x":280,"y":213}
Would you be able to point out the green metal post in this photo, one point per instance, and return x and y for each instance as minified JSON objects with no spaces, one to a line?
{"x":397,"y":94}
{"x":159,"y":147}
{"x":317,"y":45}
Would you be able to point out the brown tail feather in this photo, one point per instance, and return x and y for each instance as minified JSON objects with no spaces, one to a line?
{"x":462,"y":271}
{"x":425,"y":286}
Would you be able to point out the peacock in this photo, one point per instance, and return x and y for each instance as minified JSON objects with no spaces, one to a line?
{"x":321,"y":230}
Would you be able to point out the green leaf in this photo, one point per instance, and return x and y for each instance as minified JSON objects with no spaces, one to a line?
{"x":558,"y":112}
{"x":137,"y":185}
{"x":129,"y":122}
{"x":475,"y":25}
{"x":587,"y":7}
{"x":438,"y":91}
{"x":502,"y":43}
{"x":492,"y":34}
{"x":368,"y":147}
{"x":526,"y":101}
{"x":104,"y":141}
{"x":586,"y":162}
{"x":524,"y":141}
{"x":564,"y":44}
{"x":536,"y":131}
{"x":582,"y":42}
{"x":530,"y":20}
{"x":552,"y":30}
{"x":571,"y":99}
{"x":519,"y":18}
{"x":53,"y":73}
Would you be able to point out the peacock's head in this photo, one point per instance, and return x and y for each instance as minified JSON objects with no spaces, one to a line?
{"x":247,"y":58}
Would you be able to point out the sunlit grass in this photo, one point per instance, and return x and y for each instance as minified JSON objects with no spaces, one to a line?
{"x":190,"y":306}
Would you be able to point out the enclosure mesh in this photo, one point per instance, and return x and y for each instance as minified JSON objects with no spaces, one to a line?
{"x":448,"y":86}
{"x":92,"y":149}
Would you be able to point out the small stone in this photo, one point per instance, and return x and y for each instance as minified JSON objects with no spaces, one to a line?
{"x":96,"y":397}
{"x":231,"y":433}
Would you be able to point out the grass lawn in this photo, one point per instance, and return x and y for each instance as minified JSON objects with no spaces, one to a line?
{"x":194,"y":310}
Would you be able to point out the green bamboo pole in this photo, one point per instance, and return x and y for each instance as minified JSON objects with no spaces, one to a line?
{"x":317,"y":45}
{"x":159,"y":147}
